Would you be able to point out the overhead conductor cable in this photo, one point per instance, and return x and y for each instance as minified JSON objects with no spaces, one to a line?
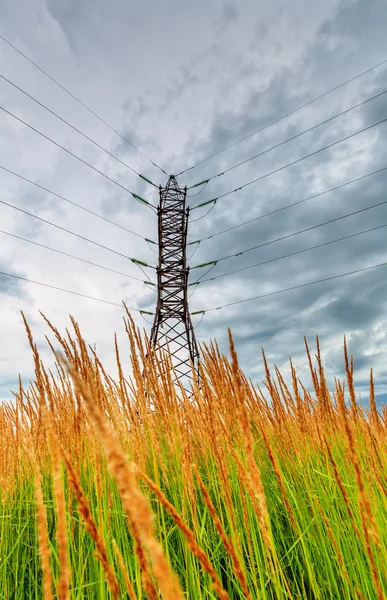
{"x":292,"y":112}
{"x":80,"y":102}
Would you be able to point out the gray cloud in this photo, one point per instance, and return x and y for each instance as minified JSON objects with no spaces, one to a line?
{"x":8,"y":285}
{"x":228,"y":16}
{"x":182,"y":87}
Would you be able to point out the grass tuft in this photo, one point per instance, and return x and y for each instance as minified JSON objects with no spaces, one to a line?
{"x":118,"y":487}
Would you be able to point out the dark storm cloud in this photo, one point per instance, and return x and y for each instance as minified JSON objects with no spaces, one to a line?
{"x":9,"y":285}
{"x":228,"y":15}
{"x":6,"y":387}
{"x":278,"y":324}
{"x":381,"y":400}
{"x":73,"y":17}
{"x":357,"y":19}
{"x":262,"y":107}
{"x":213,"y":75}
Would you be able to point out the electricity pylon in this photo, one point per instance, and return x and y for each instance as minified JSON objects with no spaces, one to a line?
{"x":172,"y":330}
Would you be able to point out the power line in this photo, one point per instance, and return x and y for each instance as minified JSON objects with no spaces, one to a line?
{"x":294,"y":137}
{"x":295,"y":287}
{"x":135,"y":196}
{"x":82,"y":104}
{"x":54,"y":287}
{"x":292,"y":112}
{"x":265,"y":262}
{"x":75,"y":204}
{"x":204,"y":183}
{"x":133,"y":260}
{"x":89,"y":262}
{"x":277,"y":210}
{"x":294,"y":162}
{"x":200,"y":218}
{"x":290,"y":235}
{"x":77,"y":130}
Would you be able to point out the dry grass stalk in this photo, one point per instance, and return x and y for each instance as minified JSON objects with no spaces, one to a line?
{"x":364,"y":503}
{"x":339,"y":554}
{"x":239,"y":572}
{"x":212,"y":411}
{"x":189,"y":535}
{"x":128,"y":583}
{"x":312,"y":369}
{"x":91,"y":528}
{"x":254,"y":473}
{"x":350,"y":382}
{"x":218,"y":429}
{"x":324,"y":397}
{"x":44,"y":548}
{"x":342,"y":489}
{"x":63,"y":584}
{"x":135,"y":504}
{"x":280,"y":478}
{"x":374,"y":415}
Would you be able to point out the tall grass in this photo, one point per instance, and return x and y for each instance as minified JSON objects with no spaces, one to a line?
{"x":117,"y":488}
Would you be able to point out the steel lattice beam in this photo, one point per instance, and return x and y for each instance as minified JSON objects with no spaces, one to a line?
{"x":172,"y":327}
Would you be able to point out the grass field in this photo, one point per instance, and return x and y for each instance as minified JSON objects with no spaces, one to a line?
{"x":129,"y":489}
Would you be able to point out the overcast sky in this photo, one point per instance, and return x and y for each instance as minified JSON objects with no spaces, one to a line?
{"x":181,"y":81}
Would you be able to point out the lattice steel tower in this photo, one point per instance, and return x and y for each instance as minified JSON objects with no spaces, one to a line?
{"x":172,"y":327}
